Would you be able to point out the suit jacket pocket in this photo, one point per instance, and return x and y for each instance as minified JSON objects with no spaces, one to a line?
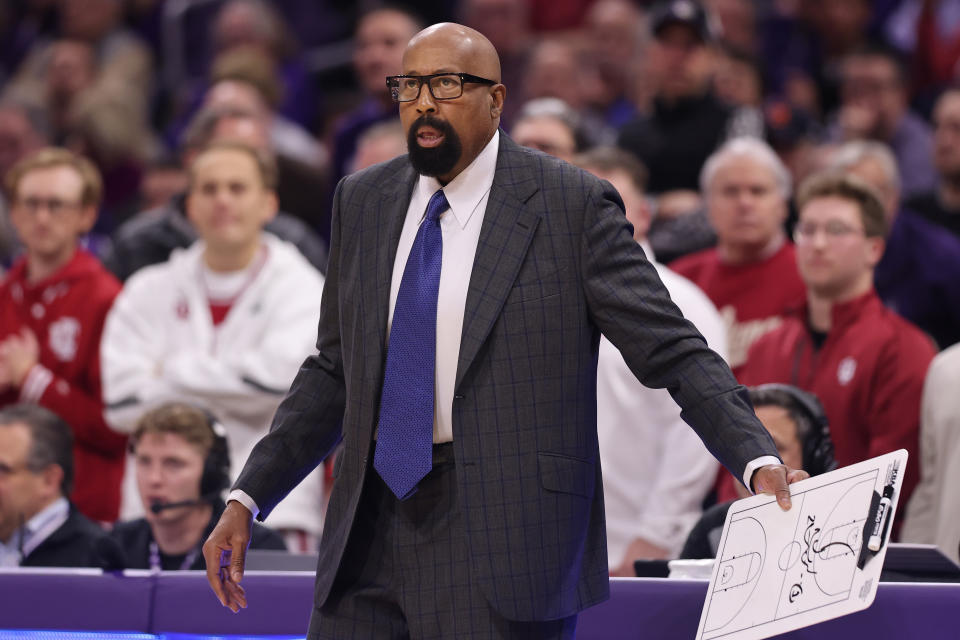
{"x":531,"y":293}
{"x":538,"y":287}
{"x":566,"y":474}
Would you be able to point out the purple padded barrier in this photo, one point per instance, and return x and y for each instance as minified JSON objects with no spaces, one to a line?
{"x":73,"y":599}
{"x":645,"y":608}
{"x":670,"y":610}
{"x":926,"y":611}
{"x":278,"y":603}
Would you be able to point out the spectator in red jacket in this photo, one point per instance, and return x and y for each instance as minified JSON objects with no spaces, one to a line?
{"x":53,"y":303}
{"x":864,"y":362}
{"x":751,"y":276}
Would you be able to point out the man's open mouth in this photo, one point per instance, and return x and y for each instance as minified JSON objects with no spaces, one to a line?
{"x":428,"y":137}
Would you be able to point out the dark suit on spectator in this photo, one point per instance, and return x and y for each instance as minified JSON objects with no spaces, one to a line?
{"x":150,"y":236}
{"x":134,"y":538}
{"x":72,"y":544}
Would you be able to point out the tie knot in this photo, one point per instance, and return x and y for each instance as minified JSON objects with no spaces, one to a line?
{"x":436,"y":206}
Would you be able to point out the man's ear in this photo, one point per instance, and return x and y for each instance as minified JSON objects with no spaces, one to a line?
{"x":271,"y":207}
{"x":88,"y":216}
{"x":498,"y":93}
{"x":53,"y":478}
{"x":875,"y":248}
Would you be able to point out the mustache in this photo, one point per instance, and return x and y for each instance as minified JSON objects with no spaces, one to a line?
{"x":437,"y":160}
{"x":428,"y":120}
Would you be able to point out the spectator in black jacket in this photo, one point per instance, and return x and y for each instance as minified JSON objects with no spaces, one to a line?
{"x":687,"y":121}
{"x":182,"y":466}
{"x":150,"y":236}
{"x":38,"y":525}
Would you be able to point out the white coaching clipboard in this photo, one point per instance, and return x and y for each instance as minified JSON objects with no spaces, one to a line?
{"x":777,"y":570}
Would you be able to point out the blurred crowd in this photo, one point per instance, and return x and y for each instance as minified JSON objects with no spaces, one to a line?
{"x":792,"y":167}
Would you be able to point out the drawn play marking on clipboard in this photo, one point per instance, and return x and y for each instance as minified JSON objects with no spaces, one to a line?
{"x":778,"y":571}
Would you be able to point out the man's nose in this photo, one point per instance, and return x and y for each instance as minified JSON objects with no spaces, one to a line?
{"x":43,"y":215}
{"x":154,"y":474}
{"x":745,"y":199}
{"x":819,"y":239}
{"x":222,"y":197}
{"x":425,"y":101}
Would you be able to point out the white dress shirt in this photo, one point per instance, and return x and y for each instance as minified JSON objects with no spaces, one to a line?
{"x":467,"y":195}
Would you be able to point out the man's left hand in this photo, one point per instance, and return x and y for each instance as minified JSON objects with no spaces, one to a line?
{"x":18,"y":354}
{"x":774,"y":479}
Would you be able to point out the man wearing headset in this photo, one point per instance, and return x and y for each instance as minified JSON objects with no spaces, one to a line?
{"x":799,"y":427}
{"x":182,"y":467}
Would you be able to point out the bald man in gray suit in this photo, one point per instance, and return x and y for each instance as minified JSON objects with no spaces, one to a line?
{"x":502,"y":533}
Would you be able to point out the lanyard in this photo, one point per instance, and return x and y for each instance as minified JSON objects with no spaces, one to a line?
{"x":185,"y":565}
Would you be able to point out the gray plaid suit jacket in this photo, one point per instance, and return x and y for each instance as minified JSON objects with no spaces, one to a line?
{"x":556,"y":265}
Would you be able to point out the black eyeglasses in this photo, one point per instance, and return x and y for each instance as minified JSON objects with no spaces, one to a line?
{"x":806,"y":232}
{"x":55,"y":206}
{"x":443,"y":86}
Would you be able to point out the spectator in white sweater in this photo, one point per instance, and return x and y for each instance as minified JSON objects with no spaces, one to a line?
{"x":223,"y":324}
{"x":656,"y":472}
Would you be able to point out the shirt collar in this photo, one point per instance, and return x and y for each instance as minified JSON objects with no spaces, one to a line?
{"x":849,"y":311}
{"x":466,"y":191}
{"x":43,"y":524}
{"x":648,"y":250}
{"x":10,"y":551}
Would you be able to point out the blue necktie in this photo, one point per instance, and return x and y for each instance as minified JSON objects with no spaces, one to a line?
{"x":404,"y":451}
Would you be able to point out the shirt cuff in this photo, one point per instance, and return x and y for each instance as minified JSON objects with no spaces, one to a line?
{"x":752,"y":466}
{"x":35,"y":383}
{"x":245,"y":500}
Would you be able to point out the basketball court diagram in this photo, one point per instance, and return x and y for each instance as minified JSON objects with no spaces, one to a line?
{"x":776,"y":571}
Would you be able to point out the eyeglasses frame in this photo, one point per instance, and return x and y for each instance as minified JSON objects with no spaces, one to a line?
{"x":425,"y":80}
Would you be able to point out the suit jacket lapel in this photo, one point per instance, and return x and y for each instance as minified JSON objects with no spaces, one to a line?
{"x":378,"y":264}
{"x":508,"y":227}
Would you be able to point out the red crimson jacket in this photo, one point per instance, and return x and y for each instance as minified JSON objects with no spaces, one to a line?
{"x":868,"y":374}
{"x":66,"y":311}
{"x":752,"y":298}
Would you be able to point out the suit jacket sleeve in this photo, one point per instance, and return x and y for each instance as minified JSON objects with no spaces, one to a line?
{"x":632,"y":308}
{"x":306,"y":426}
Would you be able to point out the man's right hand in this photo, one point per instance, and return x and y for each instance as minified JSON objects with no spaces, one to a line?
{"x":225,"y":553}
